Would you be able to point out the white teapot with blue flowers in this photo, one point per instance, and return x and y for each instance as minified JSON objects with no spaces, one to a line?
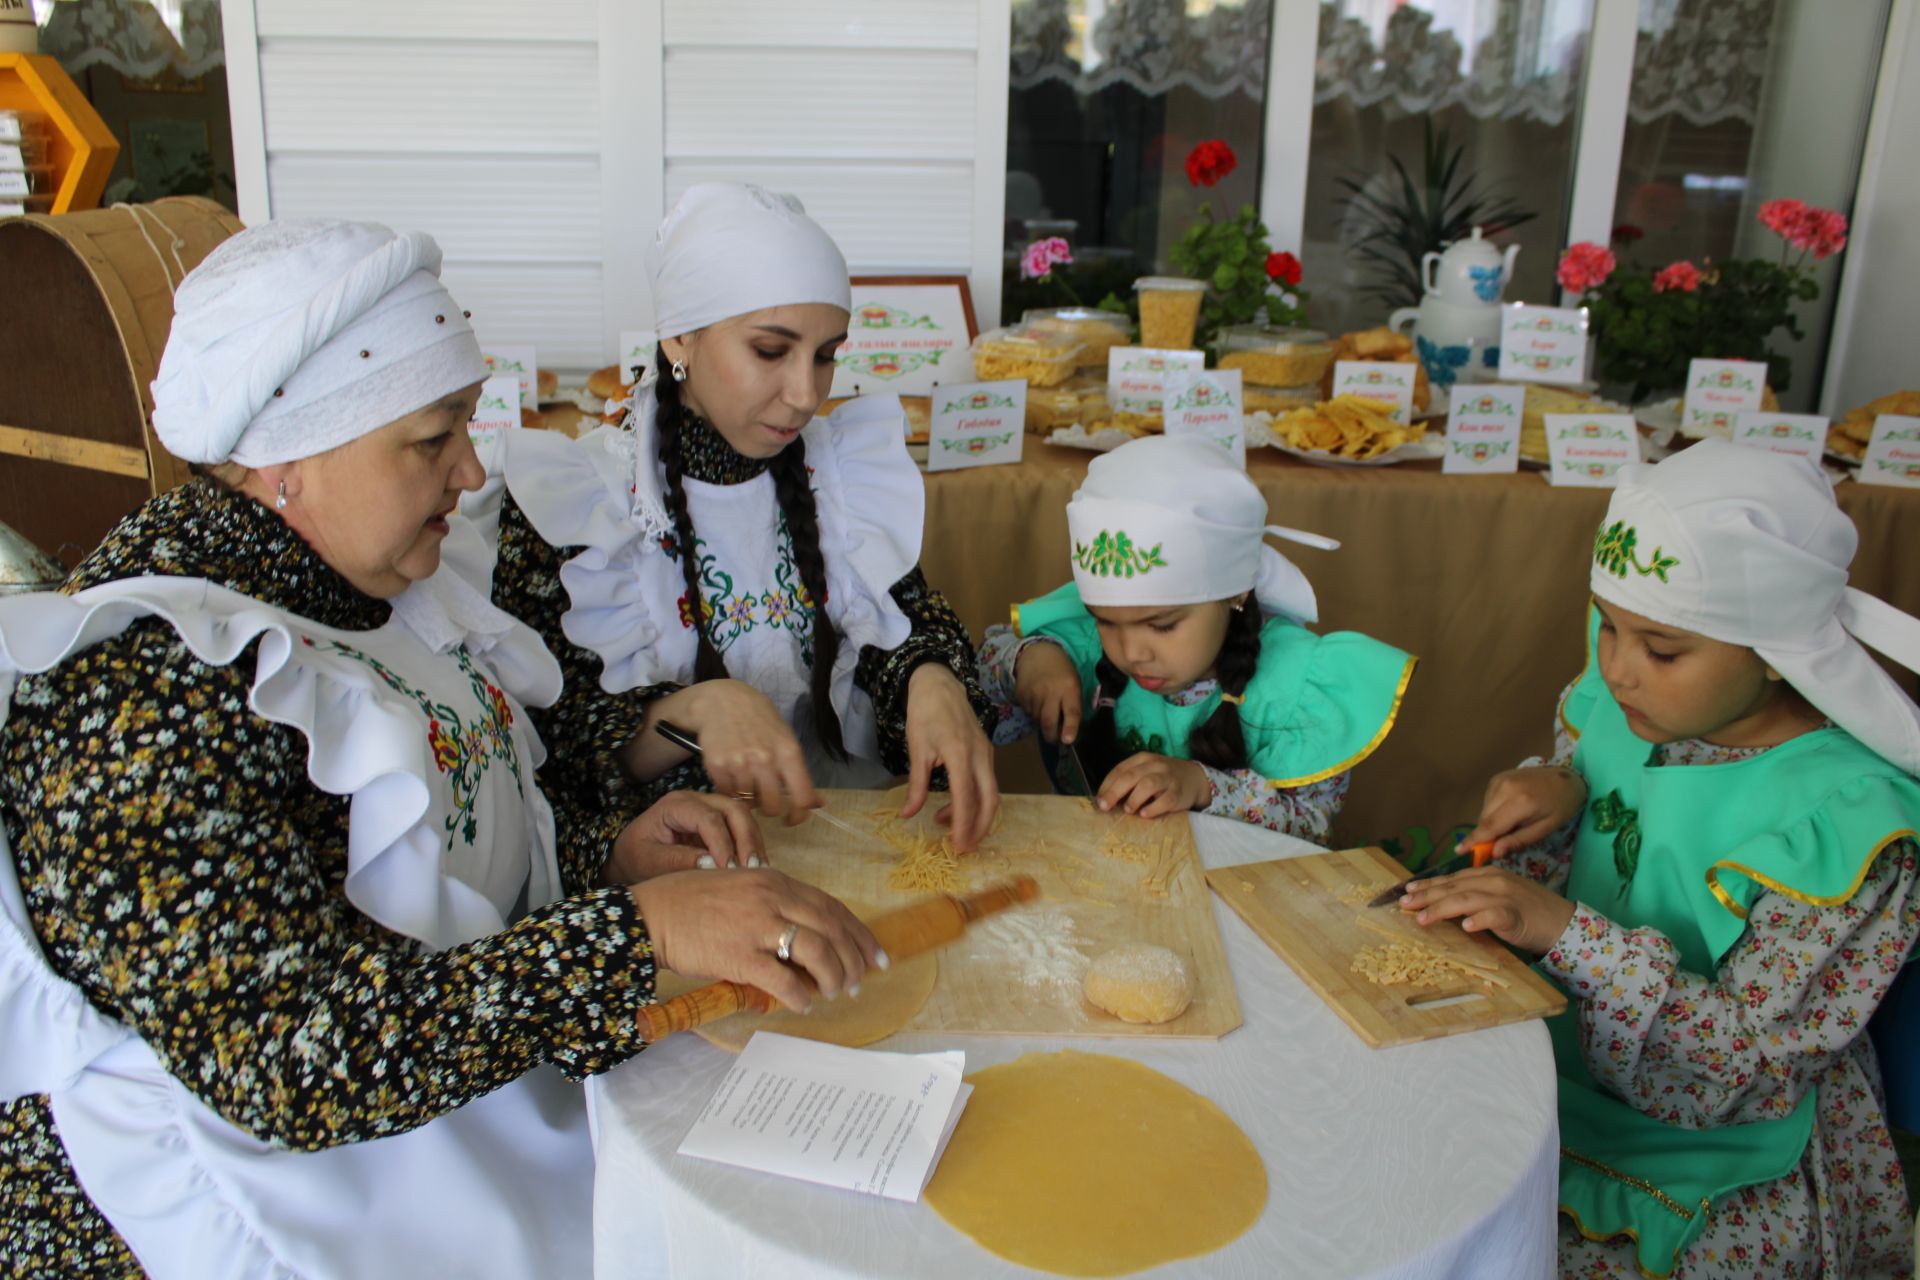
{"x":1456,"y":327}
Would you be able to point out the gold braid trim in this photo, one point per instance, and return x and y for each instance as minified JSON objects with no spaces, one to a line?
{"x":1641,"y":1185}
{"x":1628,"y":1232}
{"x":1393,"y":713}
{"x":1018,"y":634}
{"x":1859,"y":878}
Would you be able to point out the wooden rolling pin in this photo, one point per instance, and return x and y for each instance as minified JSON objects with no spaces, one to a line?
{"x":920,"y":927}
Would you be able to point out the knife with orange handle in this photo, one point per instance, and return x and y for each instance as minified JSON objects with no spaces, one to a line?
{"x":912,"y":930}
{"x":1479,"y":856}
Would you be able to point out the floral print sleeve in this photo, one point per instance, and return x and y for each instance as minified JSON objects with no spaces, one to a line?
{"x":1741,"y":1043}
{"x":1000,"y":650}
{"x":938,"y":636}
{"x":583,"y":779}
{"x":191,"y":884}
{"x":1306,"y":812}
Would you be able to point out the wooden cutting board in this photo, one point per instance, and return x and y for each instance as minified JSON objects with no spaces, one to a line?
{"x":1313,"y":911}
{"x":1019,"y":974}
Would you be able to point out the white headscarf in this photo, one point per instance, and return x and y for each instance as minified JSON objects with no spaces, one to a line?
{"x":728,"y":248}
{"x":1168,"y":520}
{"x":1749,"y":547}
{"x":295,"y":337}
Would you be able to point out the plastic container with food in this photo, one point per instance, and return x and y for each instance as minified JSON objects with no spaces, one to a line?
{"x":1169,"y":311}
{"x":1102,"y":331}
{"x":1272,"y":356}
{"x":1278,"y":400}
{"x":1040,"y":358}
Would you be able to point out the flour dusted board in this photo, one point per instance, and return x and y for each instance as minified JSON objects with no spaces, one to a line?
{"x":1312,"y":911}
{"x":1019,"y":973}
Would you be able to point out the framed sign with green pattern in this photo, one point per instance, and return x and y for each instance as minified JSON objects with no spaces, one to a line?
{"x":906,"y":336}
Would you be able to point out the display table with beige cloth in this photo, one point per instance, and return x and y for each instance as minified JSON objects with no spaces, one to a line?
{"x":1484,"y":577}
{"x":1368,"y":1173}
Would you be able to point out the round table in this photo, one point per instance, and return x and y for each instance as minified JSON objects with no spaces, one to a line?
{"x":1427,"y":1160}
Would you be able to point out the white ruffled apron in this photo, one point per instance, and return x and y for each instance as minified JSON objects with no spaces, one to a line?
{"x":423,"y":724}
{"x":627,"y":595}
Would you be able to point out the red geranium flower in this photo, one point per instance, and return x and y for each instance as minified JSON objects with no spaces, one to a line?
{"x":1283,"y":267}
{"x":1584,"y":266}
{"x":1209,"y":162}
{"x":1627,"y":233}
{"x":1681,"y":275}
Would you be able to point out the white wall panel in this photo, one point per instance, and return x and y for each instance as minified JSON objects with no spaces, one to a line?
{"x":555,"y":308}
{"x":514,"y":20}
{"x":829,"y":104}
{"x":883,"y":216}
{"x":364,"y":97}
{"x":480,"y":208}
{"x":843,"y":24}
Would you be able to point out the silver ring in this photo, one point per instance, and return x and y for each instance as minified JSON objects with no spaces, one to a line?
{"x":784,"y":952}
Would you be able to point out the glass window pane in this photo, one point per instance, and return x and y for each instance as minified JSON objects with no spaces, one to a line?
{"x":1735,"y":103}
{"x":1498,"y":83}
{"x":1107,"y":97}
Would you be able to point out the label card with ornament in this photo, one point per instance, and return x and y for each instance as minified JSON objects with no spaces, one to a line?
{"x":1587,"y":450}
{"x":977,"y":424}
{"x":498,"y":412}
{"x":1804,"y":435}
{"x":1483,"y":429}
{"x":1208,"y":404}
{"x":906,"y":335}
{"x":1390,"y":384}
{"x":1137,"y":376}
{"x":1893,"y":455}
{"x":1717,"y":391}
{"x":1543,"y":344}
{"x":520,"y":362}
{"x":638,"y":348}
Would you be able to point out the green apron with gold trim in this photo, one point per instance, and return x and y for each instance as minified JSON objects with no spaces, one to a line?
{"x":1686,"y":850}
{"x":1316,"y":706}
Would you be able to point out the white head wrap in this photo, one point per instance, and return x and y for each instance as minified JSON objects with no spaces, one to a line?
{"x":1170,"y":520}
{"x":728,"y":248}
{"x":295,"y":337}
{"x":1749,"y":548}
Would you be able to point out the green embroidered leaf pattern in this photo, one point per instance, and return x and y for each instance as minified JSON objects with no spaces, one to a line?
{"x":1610,"y":813}
{"x":1115,"y":555}
{"x":1614,"y":549}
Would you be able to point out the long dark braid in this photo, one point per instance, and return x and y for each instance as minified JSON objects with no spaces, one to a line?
{"x":672,"y":419}
{"x":794,"y":495}
{"x":1219,"y":742}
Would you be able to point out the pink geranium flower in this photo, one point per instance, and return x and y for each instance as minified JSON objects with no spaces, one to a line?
{"x":1826,"y":232}
{"x":1821,"y":232}
{"x":1584,"y":266}
{"x":1040,"y":257}
{"x":1681,"y":275}
{"x":1784,"y":217}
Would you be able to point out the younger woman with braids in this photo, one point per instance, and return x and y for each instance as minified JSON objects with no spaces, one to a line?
{"x":727,"y":562}
{"x":1182,"y":633}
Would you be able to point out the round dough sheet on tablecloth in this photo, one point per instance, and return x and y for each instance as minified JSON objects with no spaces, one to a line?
{"x":886,"y":1003}
{"x":1087,"y":1165}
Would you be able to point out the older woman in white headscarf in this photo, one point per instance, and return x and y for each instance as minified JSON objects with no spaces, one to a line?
{"x":294,"y":957}
{"x":728,"y":563}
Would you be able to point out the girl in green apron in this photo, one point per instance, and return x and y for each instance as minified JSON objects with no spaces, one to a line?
{"x":1719,"y":867}
{"x":1177,"y":662}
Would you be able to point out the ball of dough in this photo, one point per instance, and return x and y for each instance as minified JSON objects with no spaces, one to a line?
{"x":1139,"y":982}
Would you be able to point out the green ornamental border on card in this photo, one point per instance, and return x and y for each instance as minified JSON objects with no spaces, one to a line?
{"x":1546,"y":363}
{"x":1115,"y":555}
{"x":1780,"y":431}
{"x":978,"y":402}
{"x":1481,"y":450}
{"x":1547,"y":324}
{"x":976,"y":444}
{"x":1725,"y":380}
{"x":1591,"y":431}
{"x":1911,"y":470}
{"x":1487,"y":404}
{"x":1203,"y":395}
{"x":1592,"y":470}
{"x":878,"y":315}
{"x":1904,"y":433}
{"x":890,"y":364}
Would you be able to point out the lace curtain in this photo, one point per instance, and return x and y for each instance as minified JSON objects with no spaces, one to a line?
{"x":1702,"y":60}
{"x":1419,"y":70}
{"x":1152,"y":45}
{"x":131,"y":37}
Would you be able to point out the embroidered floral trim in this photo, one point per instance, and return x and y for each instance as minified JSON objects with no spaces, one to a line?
{"x":1613,"y":550}
{"x":1115,"y":555}
{"x":1610,"y":813}
{"x":786,"y":605}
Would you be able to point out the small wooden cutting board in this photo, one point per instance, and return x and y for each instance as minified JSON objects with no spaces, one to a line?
{"x":1313,"y":911}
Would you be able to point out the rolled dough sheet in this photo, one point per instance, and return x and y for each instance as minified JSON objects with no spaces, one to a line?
{"x":886,"y":1003}
{"x":1088,"y":1165}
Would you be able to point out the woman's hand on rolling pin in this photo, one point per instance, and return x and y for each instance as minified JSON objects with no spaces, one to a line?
{"x":1520,"y":912}
{"x":731,"y":927}
{"x":1525,"y":806}
{"x":942,"y":731}
{"x":747,"y":747}
{"x":685,"y":831}
{"x":1047,"y":687}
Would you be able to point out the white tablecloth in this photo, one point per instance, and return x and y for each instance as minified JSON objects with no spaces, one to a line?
{"x":1429,"y":1160}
